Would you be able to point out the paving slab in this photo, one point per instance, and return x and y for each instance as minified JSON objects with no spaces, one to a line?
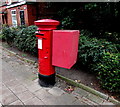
{"x":80,"y":92}
{"x":34,"y":87}
{"x":18,"y":89}
{"x":59,"y":100}
{"x":67,"y":99}
{"x":17,"y":102}
{"x":88,"y":102}
{"x":7,"y":77}
{"x":1,"y":89}
{"x":55,"y":91}
{"x":47,"y":88}
{"x":26,"y":82}
{"x":8,"y":99}
{"x":53,"y":97}
{"x":0,"y":98}
{"x":12,"y":83}
{"x":78,"y":102}
{"x":42,"y":94}
{"x":34,"y":101}
{"x":95,"y":98}
{"x":52,"y":100}
{"x":24,"y":96}
{"x":5,"y":91}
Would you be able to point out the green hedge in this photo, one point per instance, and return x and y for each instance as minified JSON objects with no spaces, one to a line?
{"x":108,"y":70}
{"x":98,"y":55}
{"x":101,"y":58}
{"x":25,"y":39}
{"x":9,"y":34}
{"x":91,"y":49}
{"x":21,"y":37}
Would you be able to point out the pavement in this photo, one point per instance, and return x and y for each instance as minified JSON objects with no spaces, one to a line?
{"x":19,"y":86}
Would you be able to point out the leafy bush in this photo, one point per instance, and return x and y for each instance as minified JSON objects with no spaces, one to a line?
{"x":108,"y":70}
{"x":114,"y":36}
{"x":1,"y":36}
{"x":26,"y":40}
{"x":8,"y":34}
{"x":67,"y":23}
{"x":102,"y":58}
{"x":91,"y":50}
{"x":21,"y":37}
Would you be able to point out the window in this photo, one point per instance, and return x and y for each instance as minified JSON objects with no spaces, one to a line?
{"x":22,"y":20}
{"x":14,"y":19}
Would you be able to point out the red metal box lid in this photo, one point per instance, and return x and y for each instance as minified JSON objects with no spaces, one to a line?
{"x":65,"y":48}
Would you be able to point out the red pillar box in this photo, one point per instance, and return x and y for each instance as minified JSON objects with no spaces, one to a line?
{"x":44,"y":34}
{"x":55,"y":48}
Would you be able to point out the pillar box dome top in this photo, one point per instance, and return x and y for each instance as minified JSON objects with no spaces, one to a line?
{"x":46,"y":24}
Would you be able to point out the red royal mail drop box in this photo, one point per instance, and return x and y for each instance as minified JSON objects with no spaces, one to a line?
{"x":65,"y":48}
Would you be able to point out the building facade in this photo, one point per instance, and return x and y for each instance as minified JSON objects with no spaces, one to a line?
{"x":25,"y":12}
{"x":18,"y":12}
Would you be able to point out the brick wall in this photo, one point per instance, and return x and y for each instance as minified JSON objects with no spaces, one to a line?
{"x":18,"y":8}
{"x":29,"y":14}
{"x":34,"y":12}
{"x":31,"y":9}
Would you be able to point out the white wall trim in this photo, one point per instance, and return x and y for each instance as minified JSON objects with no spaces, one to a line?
{"x":17,"y":4}
{"x":14,"y":21}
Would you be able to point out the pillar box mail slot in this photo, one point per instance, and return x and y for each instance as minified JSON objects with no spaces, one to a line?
{"x":65,"y":48}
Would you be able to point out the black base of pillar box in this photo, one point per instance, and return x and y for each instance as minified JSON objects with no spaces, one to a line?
{"x":46,"y":80}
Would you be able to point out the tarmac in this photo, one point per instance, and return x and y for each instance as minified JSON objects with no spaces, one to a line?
{"x":19,"y":86}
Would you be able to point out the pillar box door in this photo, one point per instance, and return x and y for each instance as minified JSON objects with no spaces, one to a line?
{"x":65,"y":48}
